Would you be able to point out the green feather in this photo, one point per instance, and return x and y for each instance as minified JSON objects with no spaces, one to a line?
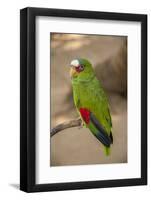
{"x":107,"y":151}
{"x":94,"y":130}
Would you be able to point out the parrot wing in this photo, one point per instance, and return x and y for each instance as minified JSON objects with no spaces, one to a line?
{"x":96,"y":128}
{"x":102,"y":135}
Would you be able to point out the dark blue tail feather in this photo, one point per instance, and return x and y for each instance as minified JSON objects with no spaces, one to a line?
{"x":102,"y":136}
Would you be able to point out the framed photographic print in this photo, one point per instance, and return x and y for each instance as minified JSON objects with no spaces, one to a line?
{"x":83,"y":99}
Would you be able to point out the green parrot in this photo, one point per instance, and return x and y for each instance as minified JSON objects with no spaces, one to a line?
{"x":91,"y":102}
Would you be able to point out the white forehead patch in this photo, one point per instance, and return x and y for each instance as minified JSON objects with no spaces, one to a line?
{"x":75,"y":63}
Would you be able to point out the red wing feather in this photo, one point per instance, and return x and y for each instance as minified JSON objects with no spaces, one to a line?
{"x":85,"y":113}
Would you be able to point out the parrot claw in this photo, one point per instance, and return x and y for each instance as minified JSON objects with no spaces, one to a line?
{"x":83,"y":125}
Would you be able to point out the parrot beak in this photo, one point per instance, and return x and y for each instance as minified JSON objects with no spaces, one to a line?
{"x":73,"y":72}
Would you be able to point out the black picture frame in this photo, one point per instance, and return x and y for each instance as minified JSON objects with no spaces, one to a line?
{"x":28,"y":98}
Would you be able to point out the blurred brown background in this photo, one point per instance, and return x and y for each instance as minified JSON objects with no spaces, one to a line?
{"x":108,"y":54}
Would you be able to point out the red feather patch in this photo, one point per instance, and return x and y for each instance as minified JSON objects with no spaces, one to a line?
{"x":85,"y":113}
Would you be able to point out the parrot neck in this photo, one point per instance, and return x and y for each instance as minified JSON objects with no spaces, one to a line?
{"x":83,"y":80}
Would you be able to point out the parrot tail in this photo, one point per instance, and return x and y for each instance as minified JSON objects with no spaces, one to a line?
{"x":107,"y":151}
{"x":96,"y":128}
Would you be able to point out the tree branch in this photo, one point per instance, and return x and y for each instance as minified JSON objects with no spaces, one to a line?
{"x":65,"y":125}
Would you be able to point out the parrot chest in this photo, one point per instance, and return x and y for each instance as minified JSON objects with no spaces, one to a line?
{"x":85,"y":95}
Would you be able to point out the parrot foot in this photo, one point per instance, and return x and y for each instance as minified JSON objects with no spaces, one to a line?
{"x":83,"y":125}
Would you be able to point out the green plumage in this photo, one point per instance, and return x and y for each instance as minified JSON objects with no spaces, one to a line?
{"x":88,"y":93}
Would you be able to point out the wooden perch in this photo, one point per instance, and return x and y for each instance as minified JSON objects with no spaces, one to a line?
{"x":65,"y":125}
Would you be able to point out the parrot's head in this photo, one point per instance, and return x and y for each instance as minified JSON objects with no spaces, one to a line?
{"x":81,"y":69}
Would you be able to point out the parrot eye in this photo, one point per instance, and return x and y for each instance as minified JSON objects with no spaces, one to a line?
{"x":80,"y":68}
